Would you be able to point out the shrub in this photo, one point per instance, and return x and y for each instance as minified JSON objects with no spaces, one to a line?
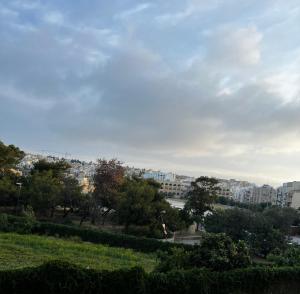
{"x":217,"y":252}
{"x":4,"y":224}
{"x":60,"y":277}
{"x":28,"y":225}
{"x":290,"y":257}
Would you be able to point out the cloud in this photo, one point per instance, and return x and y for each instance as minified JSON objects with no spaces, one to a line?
{"x":132,"y":11}
{"x":219,"y":103}
{"x":235,"y":46}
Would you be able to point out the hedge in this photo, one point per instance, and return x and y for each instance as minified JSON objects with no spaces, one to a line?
{"x":61,"y":277}
{"x":21,"y":224}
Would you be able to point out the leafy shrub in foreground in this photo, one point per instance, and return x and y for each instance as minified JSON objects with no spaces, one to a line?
{"x":60,"y":277}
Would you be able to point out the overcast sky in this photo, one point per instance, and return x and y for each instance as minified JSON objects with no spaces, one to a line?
{"x":196,"y":87}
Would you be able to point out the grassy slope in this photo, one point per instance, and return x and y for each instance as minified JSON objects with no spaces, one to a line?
{"x":17,"y":251}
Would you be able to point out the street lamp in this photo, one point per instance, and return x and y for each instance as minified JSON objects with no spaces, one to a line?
{"x":163,"y":223}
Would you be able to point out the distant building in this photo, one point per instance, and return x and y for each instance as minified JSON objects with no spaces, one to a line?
{"x":289,"y":194}
{"x":159,"y":176}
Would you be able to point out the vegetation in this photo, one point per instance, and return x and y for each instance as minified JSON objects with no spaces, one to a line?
{"x":289,"y":257}
{"x":143,"y":205}
{"x":201,"y":198}
{"x":216,"y":252}
{"x":26,"y":225}
{"x":263,"y":231}
{"x":18,"y":251}
{"x":61,"y":277}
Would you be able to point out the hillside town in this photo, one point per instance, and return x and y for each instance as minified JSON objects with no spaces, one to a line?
{"x":177,"y":186}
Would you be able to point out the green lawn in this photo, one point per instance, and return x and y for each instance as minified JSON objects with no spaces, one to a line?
{"x":17,"y":251}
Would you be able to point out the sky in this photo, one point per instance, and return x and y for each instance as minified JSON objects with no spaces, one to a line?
{"x":191,"y":86}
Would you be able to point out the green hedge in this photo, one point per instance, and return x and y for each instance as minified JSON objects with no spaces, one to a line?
{"x":23,"y":225}
{"x":60,"y":277}
{"x":112,"y":239}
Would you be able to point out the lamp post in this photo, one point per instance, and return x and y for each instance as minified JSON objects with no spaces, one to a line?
{"x":163,"y":223}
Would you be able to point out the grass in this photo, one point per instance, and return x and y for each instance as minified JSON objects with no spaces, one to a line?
{"x":18,"y":251}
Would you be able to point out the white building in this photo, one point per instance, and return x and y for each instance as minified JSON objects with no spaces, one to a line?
{"x":159,"y":176}
{"x":289,"y":194}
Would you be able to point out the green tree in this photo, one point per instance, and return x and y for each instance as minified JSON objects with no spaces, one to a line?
{"x":44,"y":192}
{"x":236,"y":223}
{"x":108,"y":180}
{"x":220,"y":252}
{"x":282,"y":218}
{"x":71,"y":195}
{"x":58,"y":168}
{"x":201,"y":197}
{"x":10,"y":156}
{"x":289,"y":257}
{"x":216,"y":252}
{"x":143,"y":205}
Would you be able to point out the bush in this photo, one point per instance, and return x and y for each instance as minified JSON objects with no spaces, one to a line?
{"x":290,"y":257}
{"x":9,"y":223}
{"x":4,"y":224}
{"x":60,"y":277}
{"x":217,"y":252}
{"x":112,"y":239}
{"x":28,"y":225}
{"x":262,"y":280}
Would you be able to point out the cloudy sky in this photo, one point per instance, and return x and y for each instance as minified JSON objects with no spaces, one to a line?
{"x":192,"y":86}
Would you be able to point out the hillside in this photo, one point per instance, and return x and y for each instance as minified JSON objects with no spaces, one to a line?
{"x":18,"y":251}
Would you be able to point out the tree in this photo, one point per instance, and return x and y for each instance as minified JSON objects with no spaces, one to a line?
{"x":255,"y":228}
{"x":143,"y":205}
{"x":44,"y":192}
{"x":263,"y":238}
{"x":282,"y":218}
{"x":58,"y":168}
{"x":71,"y":195}
{"x":201,"y":197}
{"x":216,"y":252}
{"x":10,"y":156}
{"x":108,"y":180}
{"x":289,"y":257}
{"x":235,"y":222}
{"x":219,"y":252}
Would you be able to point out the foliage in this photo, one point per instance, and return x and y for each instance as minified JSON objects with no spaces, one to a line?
{"x":282,"y":218}
{"x":57,"y":277}
{"x":9,"y":223}
{"x":263,"y":238}
{"x":289,"y":257}
{"x":216,"y":252}
{"x":102,"y":237}
{"x":94,"y":236}
{"x":235,"y":223}
{"x":108,"y":180}
{"x":252,"y":280}
{"x":258,"y":229}
{"x":219,"y":252}
{"x":201,"y":197}
{"x":62,"y":277}
{"x":8,"y":190}
{"x":10,"y":156}
{"x":43,"y":192}
{"x":39,"y":249}
{"x":58,"y":168}
{"x":251,"y":206}
{"x":48,"y":186}
{"x":143,"y":205}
